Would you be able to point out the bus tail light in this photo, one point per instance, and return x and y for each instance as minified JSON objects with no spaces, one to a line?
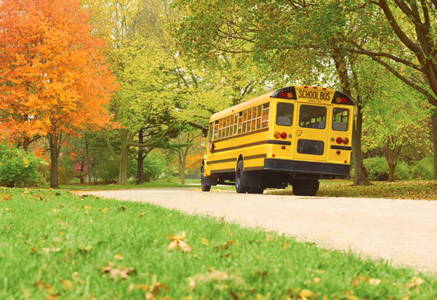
{"x":345,"y":141}
{"x":339,"y":140}
{"x":277,"y":134}
{"x":284,"y":135}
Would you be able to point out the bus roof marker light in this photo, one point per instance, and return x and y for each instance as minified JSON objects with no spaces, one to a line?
{"x":305,"y":87}
{"x":345,"y":100}
{"x":338,"y":100}
{"x":283,"y":95}
{"x":324,"y":89}
{"x":314,"y":87}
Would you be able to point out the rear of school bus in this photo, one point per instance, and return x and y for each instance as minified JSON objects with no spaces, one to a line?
{"x":313,"y":130}
{"x":308,"y":137}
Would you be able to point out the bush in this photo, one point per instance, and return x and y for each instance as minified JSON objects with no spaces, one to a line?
{"x":424,"y":169}
{"x":402,"y":171}
{"x":153,"y":167}
{"x":18,"y":167}
{"x":379,"y":171}
{"x":377,"y":168}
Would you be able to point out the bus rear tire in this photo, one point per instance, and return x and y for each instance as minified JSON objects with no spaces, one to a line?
{"x":205,"y":188}
{"x":256,"y":190}
{"x":239,"y":187}
{"x":305,"y":187}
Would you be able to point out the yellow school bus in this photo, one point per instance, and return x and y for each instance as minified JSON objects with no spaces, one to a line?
{"x":295,"y":135}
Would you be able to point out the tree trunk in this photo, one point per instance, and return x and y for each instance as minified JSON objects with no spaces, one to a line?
{"x":88,"y":160}
{"x":434,"y":138}
{"x":54,"y":162}
{"x":361,"y":175}
{"x":124,"y":157}
{"x":140,"y":171}
{"x":391,"y":174}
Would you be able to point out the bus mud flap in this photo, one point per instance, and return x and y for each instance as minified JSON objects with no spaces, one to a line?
{"x":210,"y":181}
{"x":254,"y":178}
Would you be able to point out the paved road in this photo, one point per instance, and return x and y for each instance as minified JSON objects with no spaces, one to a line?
{"x":404,"y":231}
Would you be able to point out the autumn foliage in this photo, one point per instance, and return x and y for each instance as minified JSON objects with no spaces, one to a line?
{"x":53,"y":77}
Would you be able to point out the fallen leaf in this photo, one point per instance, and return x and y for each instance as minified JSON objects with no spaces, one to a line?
{"x":143,"y":287}
{"x":7,"y":197}
{"x":304,"y":294}
{"x":143,"y":214}
{"x":105,"y":210}
{"x":205,"y":242}
{"x":178,"y":243}
{"x":118,"y":256}
{"x":356,"y":281}
{"x":374,"y":281}
{"x":66,"y":284}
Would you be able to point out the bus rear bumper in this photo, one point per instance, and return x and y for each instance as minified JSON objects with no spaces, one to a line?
{"x":305,"y":167}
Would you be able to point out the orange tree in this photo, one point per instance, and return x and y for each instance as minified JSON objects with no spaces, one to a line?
{"x":53,"y":77}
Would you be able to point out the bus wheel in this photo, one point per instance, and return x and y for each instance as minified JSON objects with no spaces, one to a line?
{"x":305,"y":187}
{"x":239,"y":178}
{"x":256,"y":190}
{"x":205,"y":188}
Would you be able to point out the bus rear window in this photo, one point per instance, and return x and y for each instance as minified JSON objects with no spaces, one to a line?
{"x":312,"y":117}
{"x":284,"y":114}
{"x":340,"y":119}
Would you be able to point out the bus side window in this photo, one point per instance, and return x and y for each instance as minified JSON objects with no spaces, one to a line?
{"x":235,"y":123}
{"x":249,"y":119}
{"x":340,"y":119}
{"x":211,"y":128}
{"x":244,"y":120}
{"x":216,"y":126}
{"x":254,"y":118}
{"x":240,"y":121}
{"x":284,"y":114}
{"x":265,"y":119}
{"x":220,"y":128}
{"x":227,"y":126}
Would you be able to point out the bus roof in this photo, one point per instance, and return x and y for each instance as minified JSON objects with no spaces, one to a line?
{"x":242,"y":106}
{"x":266,"y":98}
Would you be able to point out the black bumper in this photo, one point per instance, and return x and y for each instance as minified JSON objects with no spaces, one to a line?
{"x":305,"y":167}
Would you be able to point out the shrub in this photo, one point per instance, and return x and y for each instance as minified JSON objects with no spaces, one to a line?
{"x":424,"y":169}
{"x":402,"y":171}
{"x":379,"y":170}
{"x":18,"y":167}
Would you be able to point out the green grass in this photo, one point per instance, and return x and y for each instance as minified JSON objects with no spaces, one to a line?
{"x":415,"y":190}
{"x":146,"y":185}
{"x":57,"y":246}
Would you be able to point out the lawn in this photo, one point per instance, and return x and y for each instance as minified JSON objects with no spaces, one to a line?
{"x":55,"y":245}
{"x":416,"y":190}
{"x":100,"y":187}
